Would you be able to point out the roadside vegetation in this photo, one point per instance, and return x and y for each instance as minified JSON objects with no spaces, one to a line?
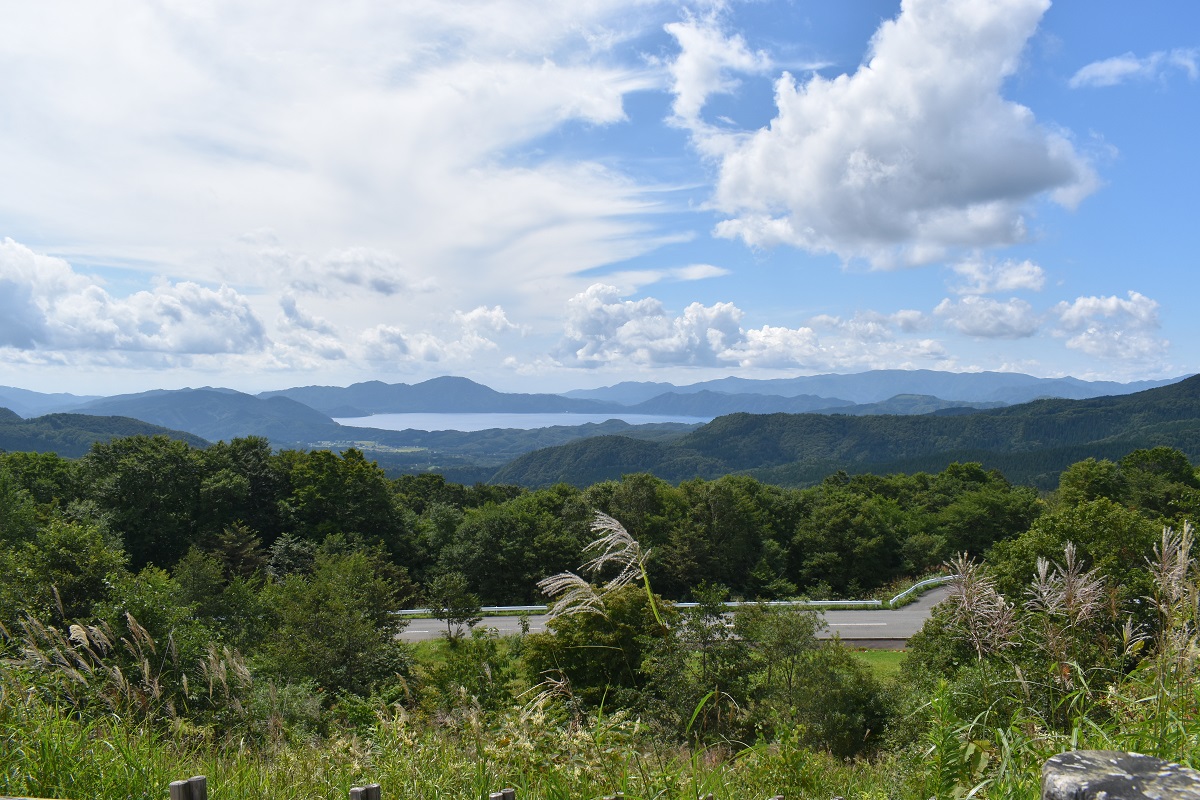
{"x":168,"y":611}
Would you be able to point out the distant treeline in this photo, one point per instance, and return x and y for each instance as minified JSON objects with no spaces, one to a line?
{"x":160,"y":498}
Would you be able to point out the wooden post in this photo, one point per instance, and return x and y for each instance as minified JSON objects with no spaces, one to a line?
{"x":509,"y":794}
{"x":194,"y":788}
{"x":371,"y":791}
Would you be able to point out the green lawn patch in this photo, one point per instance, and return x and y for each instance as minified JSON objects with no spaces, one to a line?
{"x":884,"y":663}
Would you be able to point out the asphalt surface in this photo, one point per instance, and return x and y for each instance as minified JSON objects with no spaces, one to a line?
{"x":878,"y":628}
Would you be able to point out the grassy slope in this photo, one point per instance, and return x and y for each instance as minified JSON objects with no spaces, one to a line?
{"x":884,"y":663}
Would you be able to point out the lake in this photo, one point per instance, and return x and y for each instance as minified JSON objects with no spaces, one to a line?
{"x":481,"y":422}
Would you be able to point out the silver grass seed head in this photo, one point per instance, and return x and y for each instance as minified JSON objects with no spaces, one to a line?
{"x":615,"y":546}
{"x":573,"y":595}
{"x":1171,"y":563}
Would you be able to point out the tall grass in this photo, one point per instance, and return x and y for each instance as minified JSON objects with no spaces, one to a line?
{"x":48,"y":751}
{"x":71,"y":726}
{"x":1145,"y":698}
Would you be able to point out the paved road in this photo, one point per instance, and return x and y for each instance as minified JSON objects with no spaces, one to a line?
{"x":870,"y":628}
{"x":881,"y":625}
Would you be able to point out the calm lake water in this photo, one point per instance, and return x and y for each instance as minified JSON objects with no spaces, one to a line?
{"x":482,"y":422}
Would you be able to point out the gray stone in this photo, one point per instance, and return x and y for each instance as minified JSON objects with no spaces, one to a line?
{"x":1113,"y":775}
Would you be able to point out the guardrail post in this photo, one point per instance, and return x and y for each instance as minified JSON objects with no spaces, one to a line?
{"x":194,"y":788}
{"x":1093,"y":774}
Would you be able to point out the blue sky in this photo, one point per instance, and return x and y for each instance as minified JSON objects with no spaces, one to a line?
{"x":546,"y":195}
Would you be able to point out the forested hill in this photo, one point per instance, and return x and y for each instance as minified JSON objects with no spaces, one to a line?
{"x":1031,"y":442}
{"x":72,"y":435}
{"x":222,"y":414}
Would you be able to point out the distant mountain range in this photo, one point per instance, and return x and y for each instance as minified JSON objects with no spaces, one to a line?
{"x":34,"y":404}
{"x":877,"y":385}
{"x":446,"y":395}
{"x":1031,"y":442}
{"x":707,"y":403}
{"x":303,"y":417}
{"x":823,"y":393}
{"x":196,"y":415}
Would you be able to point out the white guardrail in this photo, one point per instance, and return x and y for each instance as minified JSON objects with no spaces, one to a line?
{"x":416,"y":612}
{"x":921,"y":585}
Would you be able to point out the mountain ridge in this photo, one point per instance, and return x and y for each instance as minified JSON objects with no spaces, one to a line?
{"x":72,"y":435}
{"x":446,"y":394}
{"x":220,"y":414}
{"x":456,"y":394}
{"x":214,"y":414}
{"x":874,"y":386}
{"x":783,"y":444}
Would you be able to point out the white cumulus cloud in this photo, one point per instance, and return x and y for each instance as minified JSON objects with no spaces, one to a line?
{"x":391,"y":344}
{"x":915,"y":154}
{"x":1134,"y":308}
{"x":1123,"y":328}
{"x":872,"y":326}
{"x":604,"y":329}
{"x":985,"y":277}
{"x":337,"y":273}
{"x":48,"y":306}
{"x":988,"y":318}
{"x":483,"y":318}
{"x":308,"y":334}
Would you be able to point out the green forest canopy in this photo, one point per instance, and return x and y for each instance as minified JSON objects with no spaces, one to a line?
{"x":848,"y":535}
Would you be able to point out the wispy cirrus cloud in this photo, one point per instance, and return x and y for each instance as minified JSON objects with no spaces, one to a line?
{"x":376,"y":145}
{"x":707,"y":62}
{"x":1129,"y":67}
{"x":635,"y":279}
